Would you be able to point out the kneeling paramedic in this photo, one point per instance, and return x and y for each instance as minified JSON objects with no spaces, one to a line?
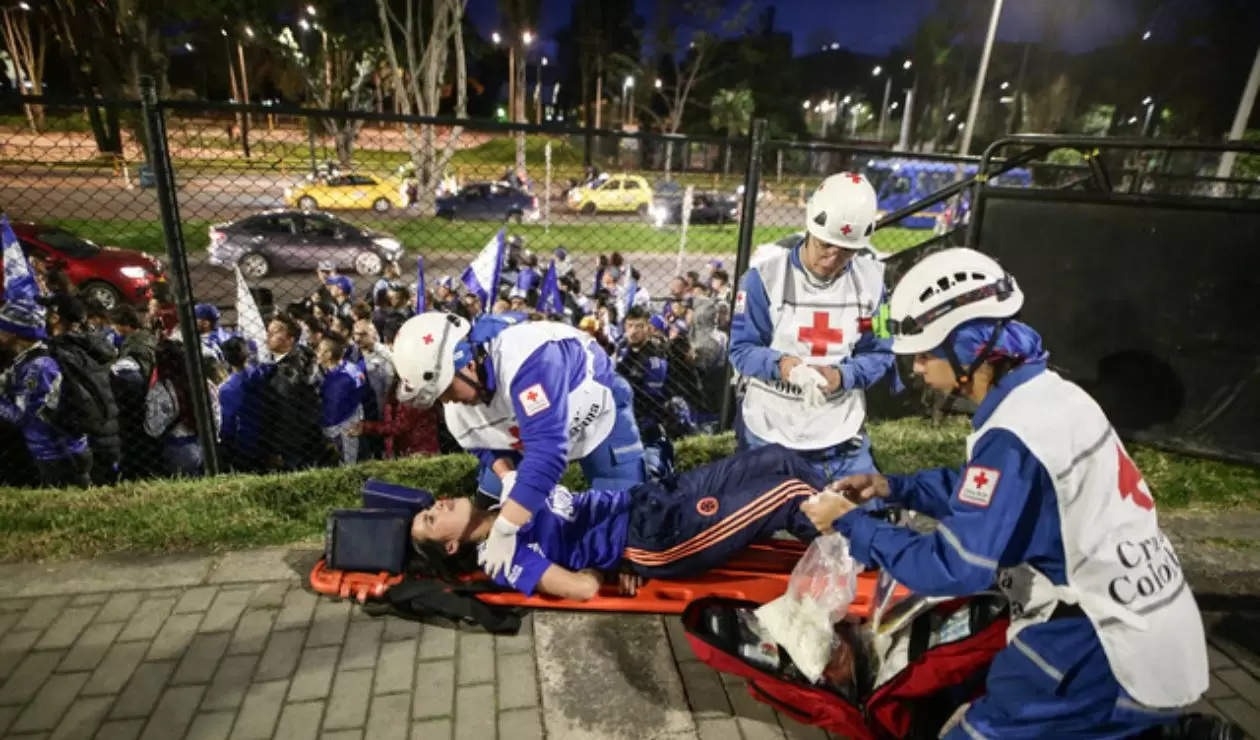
{"x":683,"y":526}
{"x":1106,"y":640}
{"x":526,"y":398}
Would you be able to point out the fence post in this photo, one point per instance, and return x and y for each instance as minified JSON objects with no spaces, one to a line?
{"x":164,"y":179}
{"x":747,"y":221}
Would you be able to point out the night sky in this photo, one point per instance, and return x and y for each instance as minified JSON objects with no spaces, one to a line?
{"x":871,"y":26}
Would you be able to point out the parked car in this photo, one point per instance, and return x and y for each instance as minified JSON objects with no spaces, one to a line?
{"x":296,"y":240}
{"x":107,"y":275}
{"x":617,"y":194}
{"x":488,"y":201}
{"x":348,"y":192}
{"x":706,"y":209}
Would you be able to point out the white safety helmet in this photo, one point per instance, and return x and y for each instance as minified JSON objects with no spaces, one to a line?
{"x":945,"y":290}
{"x":424,"y":356}
{"x":843,"y":211}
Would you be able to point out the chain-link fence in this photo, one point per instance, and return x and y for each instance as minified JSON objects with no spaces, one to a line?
{"x":294,"y":243}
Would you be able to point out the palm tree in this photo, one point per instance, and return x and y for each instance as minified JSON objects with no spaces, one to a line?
{"x":732,"y":112}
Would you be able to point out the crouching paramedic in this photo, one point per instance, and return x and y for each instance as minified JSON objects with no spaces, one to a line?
{"x":526,"y":398}
{"x":1106,"y":640}
{"x":682,"y":526}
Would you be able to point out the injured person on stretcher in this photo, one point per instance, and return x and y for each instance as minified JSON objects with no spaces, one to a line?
{"x":683,"y":526}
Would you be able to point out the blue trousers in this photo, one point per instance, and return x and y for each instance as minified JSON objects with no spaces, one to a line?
{"x":1054,"y":681}
{"x":691,"y":523}
{"x":617,"y":464}
{"x":832,"y":463}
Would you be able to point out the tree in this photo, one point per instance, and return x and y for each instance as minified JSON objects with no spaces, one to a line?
{"x":732,"y":112}
{"x":95,"y":52}
{"x":707,"y":21}
{"x":27,"y":56}
{"x":419,"y":77}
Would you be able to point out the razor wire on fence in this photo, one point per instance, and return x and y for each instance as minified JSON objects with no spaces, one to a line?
{"x":295,"y":243}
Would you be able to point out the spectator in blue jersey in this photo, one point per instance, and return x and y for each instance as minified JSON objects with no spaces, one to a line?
{"x":30,"y":391}
{"x":795,"y":336}
{"x":642,"y":359}
{"x":212,"y":335}
{"x":342,"y":394}
{"x":1106,"y":640}
{"x":680,"y":527}
{"x":526,"y":398}
{"x":240,"y":403}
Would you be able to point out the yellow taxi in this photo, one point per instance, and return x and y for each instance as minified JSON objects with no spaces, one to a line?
{"x":348,"y":192}
{"x":615,"y":194}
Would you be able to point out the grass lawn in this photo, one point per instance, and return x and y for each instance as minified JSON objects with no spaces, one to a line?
{"x":429,"y":235}
{"x":244,"y":511}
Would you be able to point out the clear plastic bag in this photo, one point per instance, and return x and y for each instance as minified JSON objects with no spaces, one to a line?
{"x":801,"y":621}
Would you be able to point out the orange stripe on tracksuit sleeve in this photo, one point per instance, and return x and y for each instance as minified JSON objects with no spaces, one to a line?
{"x":726,"y":527}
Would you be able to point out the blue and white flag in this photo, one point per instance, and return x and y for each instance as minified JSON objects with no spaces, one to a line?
{"x":249,"y":319}
{"x":549,"y":299}
{"x":482,"y":276}
{"x":421,"y":300}
{"x":20,"y":285}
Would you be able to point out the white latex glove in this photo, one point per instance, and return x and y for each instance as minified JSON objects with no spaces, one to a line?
{"x":811,"y":382}
{"x":496,"y":554}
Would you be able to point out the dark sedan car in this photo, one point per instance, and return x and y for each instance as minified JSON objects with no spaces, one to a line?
{"x":706,"y":208}
{"x":489,"y":201}
{"x":299,"y":240}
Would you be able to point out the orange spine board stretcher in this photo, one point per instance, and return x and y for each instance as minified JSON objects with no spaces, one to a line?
{"x":759,"y":574}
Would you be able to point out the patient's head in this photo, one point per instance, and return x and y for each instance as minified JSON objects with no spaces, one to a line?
{"x":448,"y":524}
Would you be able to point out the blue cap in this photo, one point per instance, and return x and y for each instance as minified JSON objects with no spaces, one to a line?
{"x":561,"y":253}
{"x":206,"y":312}
{"x":344,"y":283}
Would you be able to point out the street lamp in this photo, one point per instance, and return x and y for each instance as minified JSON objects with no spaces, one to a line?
{"x":658,"y":83}
{"x":496,"y":38}
{"x":24,"y":5}
{"x":528,"y":38}
{"x":188,"y":46}
{"x":249,"y":32}
{"x":1146,"y":36}
{"x":1005,"y":85}
{"x":875,"y":72}
{"x":848,"y":99}
{"x":304,"y":24}
{"x":1147,"y":100}
{"x":893,"y":106}
{"x":951,"y":116}
{"x":626,"y":87}
{"x":310,"y":10}
{"x":544,"y":61}
{"x":907,"y":65}
{"x":805,"y":105}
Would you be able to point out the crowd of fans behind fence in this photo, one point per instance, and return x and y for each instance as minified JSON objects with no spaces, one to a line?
{"x":321,"y":388}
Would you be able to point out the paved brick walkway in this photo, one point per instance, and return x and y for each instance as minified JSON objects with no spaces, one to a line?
{"x":227,"y":656}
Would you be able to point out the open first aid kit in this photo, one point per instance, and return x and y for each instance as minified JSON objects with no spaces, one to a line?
{"x":897,"y":669}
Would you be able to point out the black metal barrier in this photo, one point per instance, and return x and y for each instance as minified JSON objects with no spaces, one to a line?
{"x":1146,"y":301}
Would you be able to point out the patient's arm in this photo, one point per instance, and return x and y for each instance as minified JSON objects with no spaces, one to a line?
{"x":564,"y":583}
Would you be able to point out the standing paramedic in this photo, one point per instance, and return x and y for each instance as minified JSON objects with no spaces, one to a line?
{"x":526,"y":398}
{"x":1106,"y":640}
{"x":795,"y":337}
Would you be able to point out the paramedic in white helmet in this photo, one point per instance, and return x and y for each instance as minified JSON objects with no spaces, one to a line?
{"x":795,"y":339}
{"x":526,"y":398}
{"x":1106,"y":640}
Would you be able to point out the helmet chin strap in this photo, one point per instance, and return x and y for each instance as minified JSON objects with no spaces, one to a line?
{"x":965,"y":376}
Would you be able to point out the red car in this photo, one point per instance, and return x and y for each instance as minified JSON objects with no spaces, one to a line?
{"x":108,"y":275}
